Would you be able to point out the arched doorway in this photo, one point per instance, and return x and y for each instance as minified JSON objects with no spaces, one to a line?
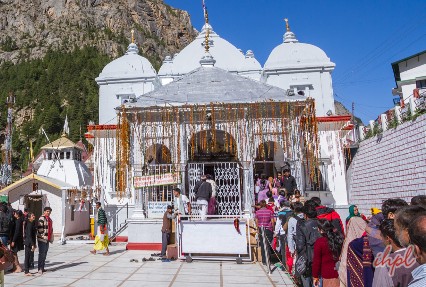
{"x":214,"y":152}
{"x":269,"y":159}
{"x":212,"y":145}
{"x":158,"y":163}
{"x":158,"y":154}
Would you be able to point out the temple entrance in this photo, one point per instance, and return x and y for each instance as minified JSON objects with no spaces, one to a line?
{"x":269,"y":159}
{"x":228,"y":178}
{"x":212,"y":145}
{"x":214,"y":152}
{"x":34,"y":203}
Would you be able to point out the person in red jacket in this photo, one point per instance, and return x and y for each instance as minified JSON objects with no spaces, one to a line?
{"x":326,"y":254}
{"x":330,"y":214}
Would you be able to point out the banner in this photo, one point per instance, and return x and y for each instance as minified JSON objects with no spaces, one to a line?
{"x":155,"y":180}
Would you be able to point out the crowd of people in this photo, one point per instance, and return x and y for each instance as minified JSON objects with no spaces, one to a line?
{"x":312,"y":243}
{"x":19,"y":231}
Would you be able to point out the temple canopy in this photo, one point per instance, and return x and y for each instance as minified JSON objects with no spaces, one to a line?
{"x":211,"y":84}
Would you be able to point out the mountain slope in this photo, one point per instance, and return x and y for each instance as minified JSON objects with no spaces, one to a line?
{"x":29,"y":28}
{"x":52,"y":50}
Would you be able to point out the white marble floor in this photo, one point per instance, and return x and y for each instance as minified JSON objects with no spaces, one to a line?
{"x":73,"y":265}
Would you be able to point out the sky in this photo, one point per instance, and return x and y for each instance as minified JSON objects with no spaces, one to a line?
{"x":361,"y":37}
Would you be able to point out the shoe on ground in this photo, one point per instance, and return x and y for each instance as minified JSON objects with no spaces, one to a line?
{"x":40,"y":272}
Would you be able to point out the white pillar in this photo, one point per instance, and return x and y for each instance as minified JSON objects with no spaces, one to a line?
{"x":372,"y":125}
{"x":412,"y":105}
{"x":398,"y":113}
{"x":384,"y":120}
{"x":361,"y":132}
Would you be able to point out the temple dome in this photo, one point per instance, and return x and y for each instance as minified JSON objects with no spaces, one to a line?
{"x":250,"y":62}
{"x":292,"y":53}
{"x":130,"y":64}
{"x":227,"y":56}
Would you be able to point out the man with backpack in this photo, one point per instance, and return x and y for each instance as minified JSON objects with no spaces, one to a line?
{"x":306,"y":234}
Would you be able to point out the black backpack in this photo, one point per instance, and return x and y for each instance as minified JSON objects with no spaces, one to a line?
{"x":4,"y":223}
{"x":305,"y":258}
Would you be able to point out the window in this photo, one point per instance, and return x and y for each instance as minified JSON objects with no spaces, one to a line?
{"x":49,"y":156}
{"x":61,"y":155}
{"x":421,"y":84}
{"x":68,"y":156}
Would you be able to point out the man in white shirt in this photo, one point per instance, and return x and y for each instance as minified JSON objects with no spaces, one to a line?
{"x":181,"y":202}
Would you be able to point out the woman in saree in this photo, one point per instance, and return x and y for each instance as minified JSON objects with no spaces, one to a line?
{"x":355,"y":229}
{"x":101,"y":239}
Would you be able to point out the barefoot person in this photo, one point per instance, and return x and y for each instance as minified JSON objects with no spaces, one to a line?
{"x":101,"y":239}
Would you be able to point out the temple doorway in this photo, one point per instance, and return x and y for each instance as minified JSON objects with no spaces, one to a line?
{"x":214,"y":152}
{"x":34,"y":203}
{"x":269,"y":159}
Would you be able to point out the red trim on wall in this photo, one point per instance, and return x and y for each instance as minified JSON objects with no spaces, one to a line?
{"x":348,"y":127}
{"x":101,"y":127}
{"x":344,"y":118}
{"x":143,"y":246}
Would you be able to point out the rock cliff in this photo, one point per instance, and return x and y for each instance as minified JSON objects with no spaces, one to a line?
{"x":29,"y":28}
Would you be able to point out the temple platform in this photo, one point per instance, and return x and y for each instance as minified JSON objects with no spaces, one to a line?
{"x":73,"y":265}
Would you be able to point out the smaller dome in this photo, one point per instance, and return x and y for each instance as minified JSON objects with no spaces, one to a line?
{"x":250,"y":62}
{"x":167,"y":67}
{"x":292,"y":53}
{"x":130,"y":64}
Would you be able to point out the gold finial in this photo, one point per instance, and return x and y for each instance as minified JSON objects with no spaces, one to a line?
{"x":133,"y":36}
{"x":206,"y":17}
{"x":287,"y":26}
{"x":206,"y":46}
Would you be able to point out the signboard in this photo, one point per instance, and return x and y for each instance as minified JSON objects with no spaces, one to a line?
{"x":156,"y":209}
{"x":155,"y":180}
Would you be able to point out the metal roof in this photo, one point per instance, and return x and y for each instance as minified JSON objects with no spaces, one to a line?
{"x":61,"y":143}
{"x":211,"y":84}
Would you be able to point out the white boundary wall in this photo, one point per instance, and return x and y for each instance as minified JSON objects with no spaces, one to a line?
{"x":390,"y":166}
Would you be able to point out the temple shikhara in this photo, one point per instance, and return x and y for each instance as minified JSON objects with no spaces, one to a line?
{"x":212,"y":109}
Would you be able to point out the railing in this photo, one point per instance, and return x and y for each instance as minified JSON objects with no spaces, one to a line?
{"x":119,"y":227}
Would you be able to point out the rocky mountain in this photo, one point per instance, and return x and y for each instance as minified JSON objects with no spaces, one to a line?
{"x":52,"y":50}
{"x":29,"y":28}
{"x":342,"y":110}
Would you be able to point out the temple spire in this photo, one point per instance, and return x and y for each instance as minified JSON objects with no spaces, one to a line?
{"x":206,"y":21}
{"x":289,"y":36}
{"x":287,"y":26}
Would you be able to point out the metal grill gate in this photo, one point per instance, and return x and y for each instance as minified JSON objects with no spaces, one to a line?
{"x":227,"y":176}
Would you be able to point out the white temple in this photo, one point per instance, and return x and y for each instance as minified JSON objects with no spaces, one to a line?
{"x":58,"y":183}
{"x":293,"y":71}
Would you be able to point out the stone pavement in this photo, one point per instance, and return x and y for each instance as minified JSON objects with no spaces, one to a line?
{"x":73,"y":265}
